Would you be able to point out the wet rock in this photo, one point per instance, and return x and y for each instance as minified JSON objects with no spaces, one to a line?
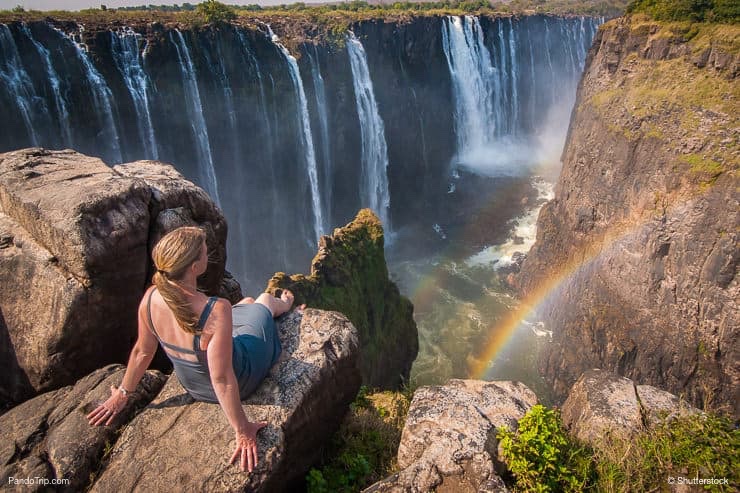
{"x":49,"y":436}
{"x":449,"y":440}
{"x":176,"y":441}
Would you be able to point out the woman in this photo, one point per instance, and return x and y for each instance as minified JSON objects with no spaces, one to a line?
{"x":219,"y":353}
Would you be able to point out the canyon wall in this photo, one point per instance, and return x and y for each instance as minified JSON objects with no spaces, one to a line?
{"x":634,"y":267}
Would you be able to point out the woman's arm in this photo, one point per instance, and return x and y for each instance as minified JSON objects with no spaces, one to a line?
{"x":227,"y":388}
{"x":138,"y":362}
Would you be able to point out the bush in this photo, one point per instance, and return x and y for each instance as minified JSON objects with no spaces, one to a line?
{"x":213,"y":11}
{"x":543,"y":457}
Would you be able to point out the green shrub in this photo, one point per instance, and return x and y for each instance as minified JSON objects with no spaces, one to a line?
{"x":364,"y":449}
{"x":214,"y":11}
{"x":542,"y":457}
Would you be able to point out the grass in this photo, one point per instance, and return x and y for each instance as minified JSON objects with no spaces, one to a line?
{"x":544,"y":458}
{"x":364,"y":449}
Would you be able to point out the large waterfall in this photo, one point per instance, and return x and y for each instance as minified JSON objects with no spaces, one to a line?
{"x":374,"y":174}
{"x":292,"y":142}
{"x":195,"y":113}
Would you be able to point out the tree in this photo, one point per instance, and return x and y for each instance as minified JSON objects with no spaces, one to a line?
{"x":214,"y":11}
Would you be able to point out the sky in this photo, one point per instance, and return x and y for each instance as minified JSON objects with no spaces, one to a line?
{"x":86,"y":4}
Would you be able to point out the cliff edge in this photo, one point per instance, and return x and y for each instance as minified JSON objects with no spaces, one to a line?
{"x":636,"y":257}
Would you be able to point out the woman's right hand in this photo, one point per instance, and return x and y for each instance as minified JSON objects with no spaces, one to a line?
{"x":246,"y":446}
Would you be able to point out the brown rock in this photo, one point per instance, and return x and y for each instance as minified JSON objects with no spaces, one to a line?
{"x":176,"y":441}
{"x":74,"y":262}
{"x":449,"y":440}
{"x":49,"y":436}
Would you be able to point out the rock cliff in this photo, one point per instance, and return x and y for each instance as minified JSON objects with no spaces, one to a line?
{"x":349,"y":275}
{"x":75,"y":260}
{"x":640,"y":240}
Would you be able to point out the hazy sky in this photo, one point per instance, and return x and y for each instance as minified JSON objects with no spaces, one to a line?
{"x":84,"y":4}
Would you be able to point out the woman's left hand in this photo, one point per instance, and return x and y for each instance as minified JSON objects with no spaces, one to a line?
{"x":104,"y":413}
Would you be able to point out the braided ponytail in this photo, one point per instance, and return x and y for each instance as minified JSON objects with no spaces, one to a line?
{"x":172,"y":256}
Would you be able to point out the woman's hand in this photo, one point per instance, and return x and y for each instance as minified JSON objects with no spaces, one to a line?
{"x":109,"y":409}
{"x":246,"y":446}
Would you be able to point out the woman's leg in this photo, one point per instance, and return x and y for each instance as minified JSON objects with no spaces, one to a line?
{"x":277,"y":306}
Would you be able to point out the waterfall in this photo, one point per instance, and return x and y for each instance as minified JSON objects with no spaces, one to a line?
{"x":320,"y":94}
{"x":53,"y":80}
{"x":102,"y":100}
{"x":549,"y":60}
{"x":128,"y":60}
{"x":505,"y":74}
{"x":306,"y":136}
{"x":17,"y":81}
{"x":514,"y":79}
{"x":533,"y":87}
{"x":195,"y":114}
{"x":470,"y":67}
{"x":374,"y":177}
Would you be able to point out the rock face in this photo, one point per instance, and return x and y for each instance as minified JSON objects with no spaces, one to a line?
{"x":641,"y":238}
{"x":349,"y":275}
{"x":75,"y":238}
{"x":449,"y":441}
{"x":49,"y":436}
{"x":602,"y":404}
{"x":176,"y":441}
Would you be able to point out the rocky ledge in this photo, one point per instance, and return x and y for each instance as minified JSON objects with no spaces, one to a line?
{"x":349,"y":275}
{"x":174,"y":440}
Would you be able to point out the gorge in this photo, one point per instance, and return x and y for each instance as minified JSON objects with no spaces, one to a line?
{"x":437,"y":123}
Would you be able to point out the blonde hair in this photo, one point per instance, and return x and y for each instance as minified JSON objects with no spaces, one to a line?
{"x":172,"y":256}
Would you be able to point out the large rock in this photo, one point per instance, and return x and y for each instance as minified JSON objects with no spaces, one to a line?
{"x":176,"y":441}
{"x":640,"y":242}
{"x":449,"y":441}
{"x":349,"y":275}
{"x":75,"y":241}
{"x":602,"y":405}
{"x":49,"y":436}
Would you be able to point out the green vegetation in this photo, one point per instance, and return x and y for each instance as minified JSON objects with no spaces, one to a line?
{"x":541,"y":455}
{"x":688,"y":10}
{"x":364,"y":449}
{"x":213,"y":11}
{"x":543,"y":458}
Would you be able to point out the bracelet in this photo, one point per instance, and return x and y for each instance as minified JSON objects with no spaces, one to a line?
{"x":122,"y":390}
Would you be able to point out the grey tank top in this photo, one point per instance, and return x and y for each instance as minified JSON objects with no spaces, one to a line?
{"x":193,"y":375}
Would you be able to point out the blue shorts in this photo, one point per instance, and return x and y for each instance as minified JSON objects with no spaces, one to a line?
{"x":256,"y":345}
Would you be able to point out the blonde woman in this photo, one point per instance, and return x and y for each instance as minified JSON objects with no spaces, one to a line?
{"x":220,"y":353}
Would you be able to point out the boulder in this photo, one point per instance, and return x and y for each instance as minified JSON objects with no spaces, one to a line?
{"x":176,"y":441}
{"x":602,"y":405}
{"x":75,"y":242}
{"x":349,"y":275}
{"x":449,"y":440}
{"x":49,"y":436}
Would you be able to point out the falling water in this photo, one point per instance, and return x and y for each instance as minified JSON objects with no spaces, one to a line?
{"x":469,"y":62}
{"x":195,"y":114}
{"x":374,"y":176}
{"x":549,"y":59}
{"x":128,"y":60}
{"x":514,"y":79}
{"x":533,"y":87}
{"x":306,"y":136}
{"x":15,"y":77}
{"x":54,"y":83}
{"x":103,"y":103}
{"x":320,"y":94}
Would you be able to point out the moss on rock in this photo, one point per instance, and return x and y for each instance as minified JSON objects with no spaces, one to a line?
{"x":349,"y":275}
